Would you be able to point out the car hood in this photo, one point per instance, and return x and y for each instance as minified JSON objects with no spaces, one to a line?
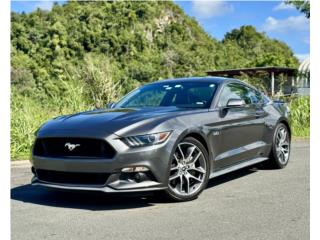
{"x":108,"y":120}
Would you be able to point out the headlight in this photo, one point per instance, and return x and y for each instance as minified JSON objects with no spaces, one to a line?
{"x":148,"y":139}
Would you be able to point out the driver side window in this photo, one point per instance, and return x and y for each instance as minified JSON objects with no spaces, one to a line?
{"x":234,"y":91}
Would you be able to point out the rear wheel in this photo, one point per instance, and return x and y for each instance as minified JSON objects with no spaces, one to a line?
{"x":189,"y":170}
{"x":280,"y":152}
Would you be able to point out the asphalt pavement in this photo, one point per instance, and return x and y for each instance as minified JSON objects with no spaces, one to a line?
{"x":252,"y":203}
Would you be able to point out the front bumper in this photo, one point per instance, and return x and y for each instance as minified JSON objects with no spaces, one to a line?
{"x":156,"y":158}
{"x":107,"y":189}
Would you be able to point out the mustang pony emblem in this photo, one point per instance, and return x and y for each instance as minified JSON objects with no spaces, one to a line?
{"x":71,"y":146}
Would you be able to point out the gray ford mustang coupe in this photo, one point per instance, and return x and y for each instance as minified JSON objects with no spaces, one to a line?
{"x":171,"y":135}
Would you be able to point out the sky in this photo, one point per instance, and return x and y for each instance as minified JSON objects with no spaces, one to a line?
{"x":276,"y":19}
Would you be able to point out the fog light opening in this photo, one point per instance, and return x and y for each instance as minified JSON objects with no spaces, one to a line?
{"x":140,"y":177}
{"x":137,"y":176}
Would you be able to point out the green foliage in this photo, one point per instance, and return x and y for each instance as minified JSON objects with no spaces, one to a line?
{"x":27,"y":115}
{"x":302,"y":5}
{"x":142,"y":41}
{"x":300,"y":116}
{"x":97,"y":75}
{"x":245,"y":47}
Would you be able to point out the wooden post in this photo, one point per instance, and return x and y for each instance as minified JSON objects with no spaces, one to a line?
{"x":272,"y":83}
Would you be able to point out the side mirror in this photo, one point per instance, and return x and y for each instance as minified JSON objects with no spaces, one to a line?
{"x":233,"y":102}
{"x":110,"y":105}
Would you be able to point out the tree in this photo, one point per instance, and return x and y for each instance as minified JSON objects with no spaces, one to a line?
{"x":246,"y":47}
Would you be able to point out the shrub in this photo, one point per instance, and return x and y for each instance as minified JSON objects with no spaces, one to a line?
{"x":300,"y":116}
{"x":98,"y":76}
{"x":27,"y":115}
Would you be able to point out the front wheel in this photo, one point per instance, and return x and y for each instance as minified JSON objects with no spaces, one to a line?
{"x":189,"y":170}
{"x":280,"y":151}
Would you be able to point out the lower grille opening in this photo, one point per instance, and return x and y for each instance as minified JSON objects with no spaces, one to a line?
{"x":72,"y":177}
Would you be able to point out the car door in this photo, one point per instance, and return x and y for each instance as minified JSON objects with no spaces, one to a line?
{"x":240,"y":127}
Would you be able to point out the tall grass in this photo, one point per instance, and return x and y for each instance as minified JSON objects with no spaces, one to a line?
{"x":99,"y":77}
{"x":28,"y":114}
{"x":300,"y":116}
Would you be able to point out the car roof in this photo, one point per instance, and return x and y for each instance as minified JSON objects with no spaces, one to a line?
{"x":216,"y":80}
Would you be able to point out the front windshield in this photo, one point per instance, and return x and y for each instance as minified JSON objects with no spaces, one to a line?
{"x":178,"y":94}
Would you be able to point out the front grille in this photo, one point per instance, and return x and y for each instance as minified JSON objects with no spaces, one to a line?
{"x":73,"y":148}
{"x":72,"y":177}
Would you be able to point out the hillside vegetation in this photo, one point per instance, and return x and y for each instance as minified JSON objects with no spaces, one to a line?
{"x":84,"y":54}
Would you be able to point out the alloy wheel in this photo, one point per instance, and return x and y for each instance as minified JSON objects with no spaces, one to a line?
{"x":282,"y":145}
{"x":188,"y":169}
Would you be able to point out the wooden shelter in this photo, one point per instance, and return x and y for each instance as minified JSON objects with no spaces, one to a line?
{"x":271,"y":71}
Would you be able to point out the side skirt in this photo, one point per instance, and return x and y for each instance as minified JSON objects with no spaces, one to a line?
{"x":237,"y":167}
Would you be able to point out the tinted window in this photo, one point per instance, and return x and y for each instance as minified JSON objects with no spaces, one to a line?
{"x":234,"y":91}
{"x":200,"y":94}
{"x":254,"y":96}
{"x":150,"y":98}
{"x":182,"y":94}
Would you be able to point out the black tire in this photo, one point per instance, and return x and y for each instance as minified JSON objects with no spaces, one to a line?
{"x":275,"y":161}
{"x":174,"y":196}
